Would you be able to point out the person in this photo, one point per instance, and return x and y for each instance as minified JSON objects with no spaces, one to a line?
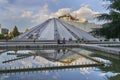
{"x":63,"y":40}
{"x":63,"y":51}
{"x":34,"y":41}
{"x":58,"y":51}
{"x":58,"y":41}
{"x":70,"y":39}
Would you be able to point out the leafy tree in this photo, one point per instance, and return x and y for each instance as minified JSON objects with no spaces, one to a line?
{"x":112,"y":28}
{"x":15,"y":31}
{"x":26,"y":30}
{"x":11,"y":35}
{"x":1,"y":36}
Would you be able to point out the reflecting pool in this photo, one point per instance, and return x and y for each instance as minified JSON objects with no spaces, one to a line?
{"x":50,"y":58}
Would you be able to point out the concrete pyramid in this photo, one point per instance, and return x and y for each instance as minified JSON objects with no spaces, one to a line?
{"x":54,"y":29}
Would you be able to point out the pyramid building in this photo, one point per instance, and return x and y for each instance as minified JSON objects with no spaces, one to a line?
{"x":54,"y":29}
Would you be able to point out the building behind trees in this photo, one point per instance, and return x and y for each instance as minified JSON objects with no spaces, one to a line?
{"x":3,"y":30}
{"x":5,"y":34}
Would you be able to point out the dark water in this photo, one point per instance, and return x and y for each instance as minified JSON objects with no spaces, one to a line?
{"x":10,"y":59}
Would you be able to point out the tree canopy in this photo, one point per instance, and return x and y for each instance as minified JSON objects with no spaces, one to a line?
{"x":112,"y":28}
{"x":26,"y":30}
{"x":15,"y":31}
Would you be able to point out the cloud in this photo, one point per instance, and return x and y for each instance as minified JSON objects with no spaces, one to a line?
{"x":42,"y":15}
{"x":29,"y":13}
{"x":109,"y":74}
{"x":60,"y":12}
{"x":84,"y":13}
{"x":3,"y":1}
{"x":45,"y":14}
{"x":30,"y":5}
{"x":26,"y":63}
{"x":105,"y":3}
{"x":26,"y":14}
{"x":11,"y":9}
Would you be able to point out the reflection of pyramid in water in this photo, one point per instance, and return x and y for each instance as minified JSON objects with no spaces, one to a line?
{"x":54,"y":29}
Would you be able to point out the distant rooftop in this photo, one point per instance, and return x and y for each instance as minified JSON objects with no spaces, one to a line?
{"x":69,"y":17}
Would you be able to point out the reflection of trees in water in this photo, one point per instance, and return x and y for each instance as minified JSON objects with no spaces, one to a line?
{"x":114,"y":67}
{"x":115,"y":77}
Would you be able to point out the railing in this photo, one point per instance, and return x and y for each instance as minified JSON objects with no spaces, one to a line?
{"x":50,"y":67}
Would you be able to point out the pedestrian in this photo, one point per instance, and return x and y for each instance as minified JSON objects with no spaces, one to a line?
{"x":34,"y":41}
{"x":58,"y":41}
{"x":64,"y":41}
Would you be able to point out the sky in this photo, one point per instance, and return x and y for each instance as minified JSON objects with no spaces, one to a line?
{"x":29,"y":13}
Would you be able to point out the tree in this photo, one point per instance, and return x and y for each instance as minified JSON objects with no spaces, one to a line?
{"x":11,"y":35}
{"x":15,"y":31}
{"x":26,"y":30}
{"x":1,"y":36}
{"x":112,"y":28}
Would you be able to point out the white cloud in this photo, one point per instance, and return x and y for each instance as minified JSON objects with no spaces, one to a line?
{"x":26,"y":14}
{"x":42,"y":15}
{"x":109,"y":74}
{"x":84,"y":13}
{"x":103,"y":3}
{"x":60,"y":12}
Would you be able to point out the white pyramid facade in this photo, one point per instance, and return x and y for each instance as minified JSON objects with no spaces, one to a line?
{"x":54,"y":29}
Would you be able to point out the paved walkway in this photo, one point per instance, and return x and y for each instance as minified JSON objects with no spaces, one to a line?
{"x":54,"y":45}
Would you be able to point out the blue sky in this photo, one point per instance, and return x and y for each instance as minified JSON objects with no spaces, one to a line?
{"x":29,"y":13}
